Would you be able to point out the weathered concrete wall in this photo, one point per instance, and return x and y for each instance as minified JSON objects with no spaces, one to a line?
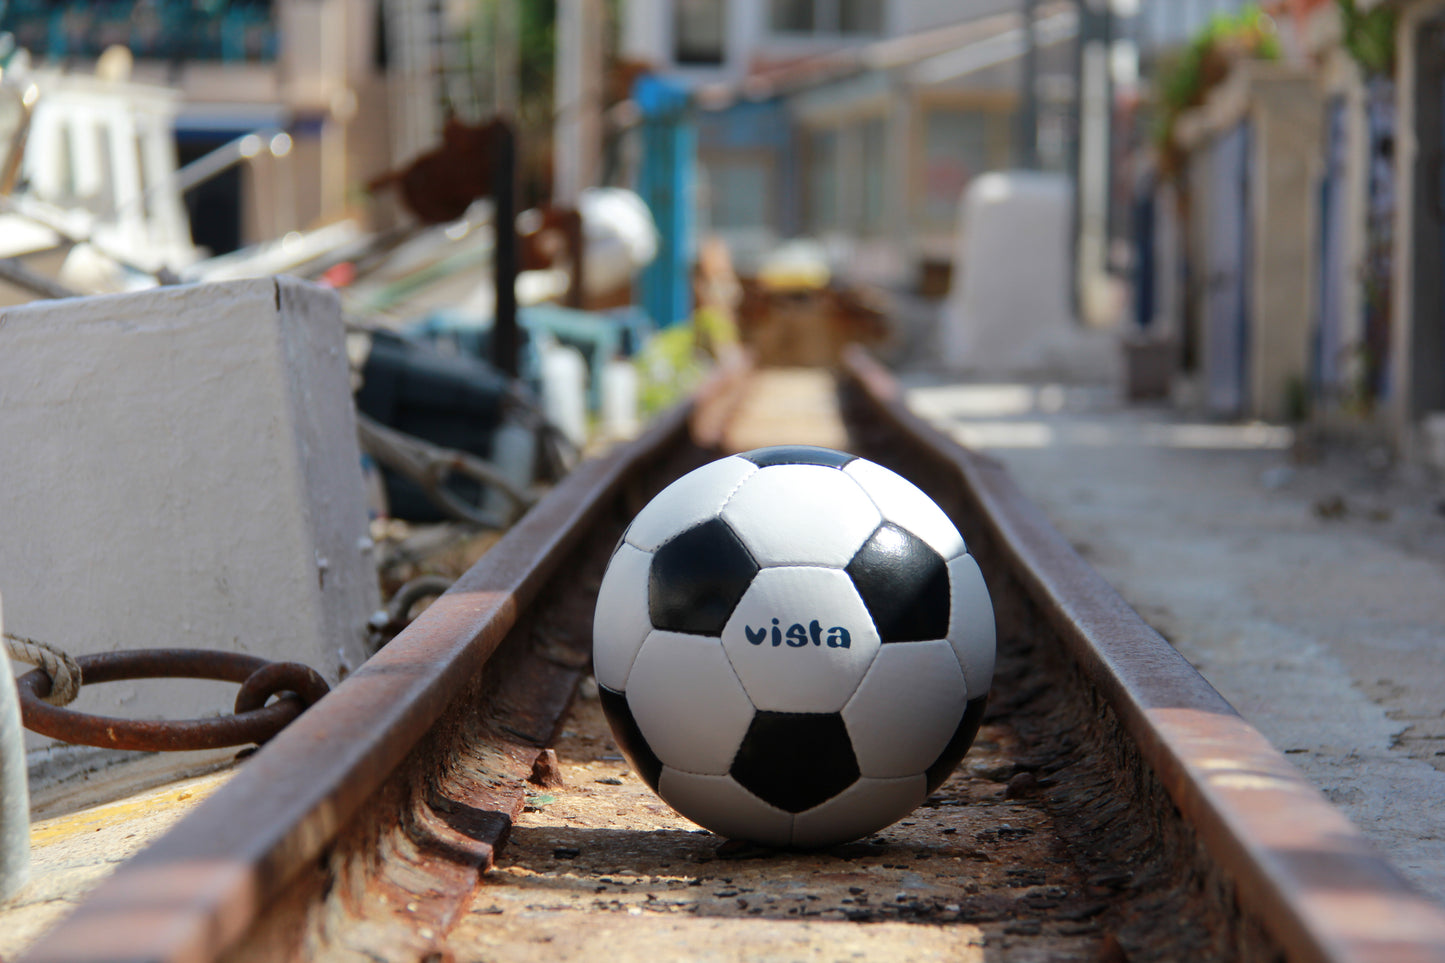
{"x":1286,"y":116}
{"x":181,"y":470}
{"x":1283,"y":111}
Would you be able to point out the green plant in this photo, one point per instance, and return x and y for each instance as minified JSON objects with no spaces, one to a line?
{"x":1369,"y":36}
{"x":1185,"y":81}
{"x":669,"y":366}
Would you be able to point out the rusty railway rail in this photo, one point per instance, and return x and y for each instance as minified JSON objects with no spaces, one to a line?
{"x":391,"y":796}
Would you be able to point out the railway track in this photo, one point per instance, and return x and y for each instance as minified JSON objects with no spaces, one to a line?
{"x":453,"y":801}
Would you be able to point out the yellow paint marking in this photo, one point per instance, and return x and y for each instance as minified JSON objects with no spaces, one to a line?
{"x":181,"y":795}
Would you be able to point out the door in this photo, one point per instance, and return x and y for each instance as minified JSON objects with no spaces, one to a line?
{"x":1226,"y":313}
{"x":1328,"y":341}
{"x":1425,"y":361}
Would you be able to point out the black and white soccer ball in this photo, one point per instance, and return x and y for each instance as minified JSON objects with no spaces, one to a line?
{"x":793,"y":646}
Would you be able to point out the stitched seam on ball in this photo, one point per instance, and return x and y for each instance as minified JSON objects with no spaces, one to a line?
{"x":729,"y":496}
{"x":869,"y":495}
{"x":822,"y":568}
{"x":743,"y":685}
{"x":963,"y":541}
{"x":886,"y":519}
{"x":725,"y":774}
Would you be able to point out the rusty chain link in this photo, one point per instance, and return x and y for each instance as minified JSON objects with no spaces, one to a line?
{"x":297,"y":687}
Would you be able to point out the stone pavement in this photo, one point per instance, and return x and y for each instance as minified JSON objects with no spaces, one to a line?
{"x":1310,"y":592}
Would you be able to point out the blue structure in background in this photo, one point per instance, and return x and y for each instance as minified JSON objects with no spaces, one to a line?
{"x":760,"y":136}
{"x":600,"y":336}
{"x":666,"y":183}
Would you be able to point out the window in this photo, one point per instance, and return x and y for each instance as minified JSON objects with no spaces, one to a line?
{"x":793,"y":16}
{"x":875,"y":141}
{"x":828,"y":17}
{"x":700,"y":27}
{"x":823,"y":181}
{"x":860,"y":17}
{"x":738,"y":194}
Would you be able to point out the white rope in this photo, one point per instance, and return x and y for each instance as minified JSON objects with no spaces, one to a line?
{"x":64,"y":671}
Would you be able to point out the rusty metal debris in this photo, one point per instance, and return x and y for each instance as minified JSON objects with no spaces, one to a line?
{"x":297,"y":687}
{"x":423,"y":587}
{"x":432,"y":467}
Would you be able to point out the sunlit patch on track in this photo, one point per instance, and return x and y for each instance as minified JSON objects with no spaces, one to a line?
{"x":602,"y":868}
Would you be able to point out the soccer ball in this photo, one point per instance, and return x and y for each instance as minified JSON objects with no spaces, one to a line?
{"x":793,"y":646}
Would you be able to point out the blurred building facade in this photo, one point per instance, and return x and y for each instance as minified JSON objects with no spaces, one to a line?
{"x":1416,"y":388}
{"x":1296,"y":246}
{"x":316,"y":69}
{"x":1163,"y":27}
{"x":855,"y":122}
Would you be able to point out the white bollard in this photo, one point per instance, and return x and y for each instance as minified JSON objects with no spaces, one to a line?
{"x":1009,"y":311}
{"x":564,"y":389}
{"x":620,"y":391}
{"x":14,"y":797}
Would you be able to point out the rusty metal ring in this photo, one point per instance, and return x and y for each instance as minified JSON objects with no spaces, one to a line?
{"x":153,"y":735}
{"x":279,"y":678}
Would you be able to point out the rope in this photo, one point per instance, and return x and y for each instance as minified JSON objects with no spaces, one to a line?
{"x":64,"y":671}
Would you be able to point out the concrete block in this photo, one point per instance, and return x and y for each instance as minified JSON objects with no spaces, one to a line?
{"x":180,"y":469}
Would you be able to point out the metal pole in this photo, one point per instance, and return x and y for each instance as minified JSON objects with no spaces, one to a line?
{"x":1027,"y":135}
{"x":505,"y":339}
{"x":505,"y":48}
{"x":1094,"y":115}
{"x":577,"y":250}
{"x":578,"y":125}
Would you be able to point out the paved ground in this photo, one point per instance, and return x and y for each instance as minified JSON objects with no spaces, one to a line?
{"x":1307,"y":586}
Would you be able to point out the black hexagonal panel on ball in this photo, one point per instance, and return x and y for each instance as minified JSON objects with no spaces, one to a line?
{"x":629,"y":737}
{"x":796,"y":760}
{"x":798,"y":455}
{"x":904,"y":583}
{"x":697,"y":578}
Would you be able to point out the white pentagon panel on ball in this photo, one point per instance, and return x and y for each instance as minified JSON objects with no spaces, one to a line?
{"x":801,"y":515}
{"x":620,"y":622}
{"x":800,"y":639}
{"x":691,"y":500}
{"x":906,"y":708}
{"x":971,"y":624}
{"x":864,"y":807}
{"x":905,"y":504}
{"x":687,"y":702}
{"x":718,"y":803}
